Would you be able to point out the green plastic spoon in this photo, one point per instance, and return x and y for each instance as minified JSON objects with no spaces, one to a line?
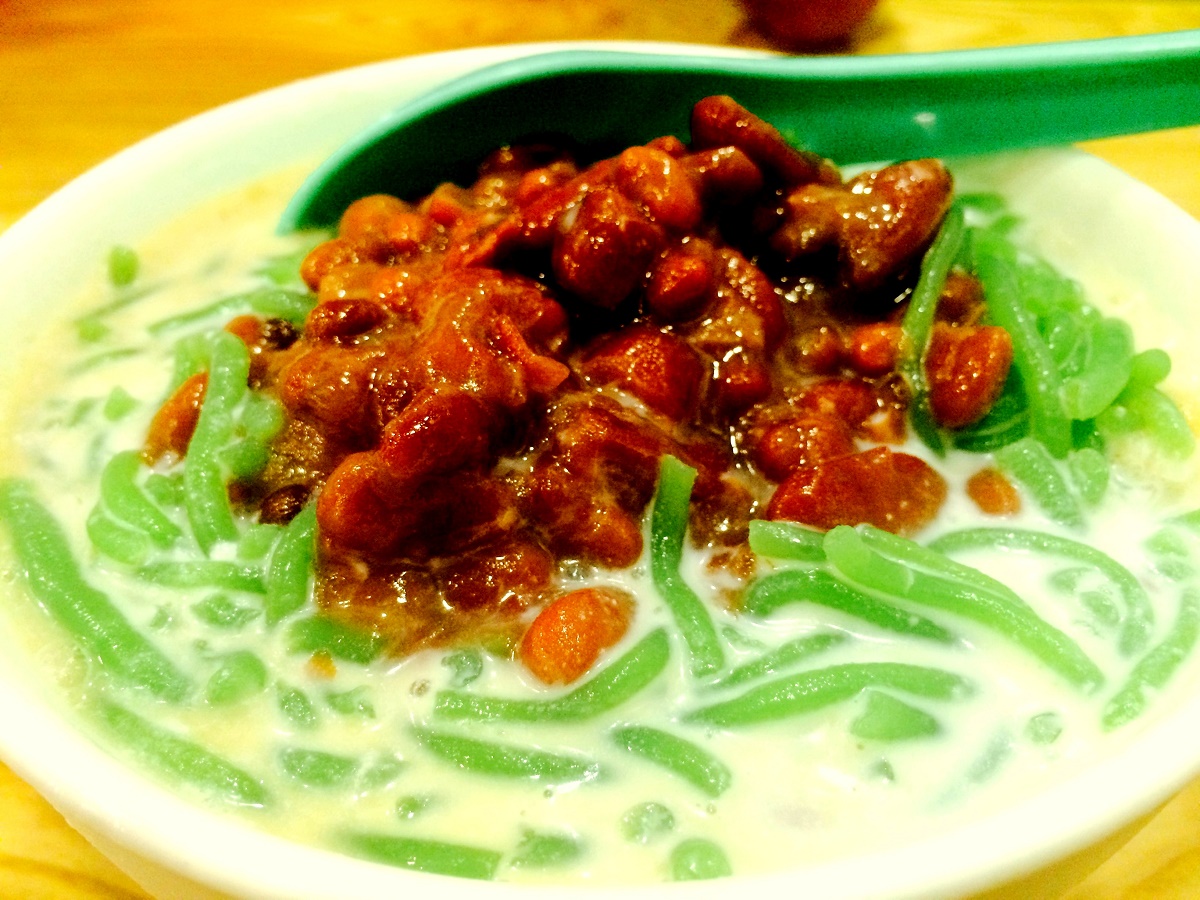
{"x":850,"y":109}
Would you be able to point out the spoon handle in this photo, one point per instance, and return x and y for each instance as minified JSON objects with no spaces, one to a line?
{"x":862,"y":109}
{"x":850,"y":109}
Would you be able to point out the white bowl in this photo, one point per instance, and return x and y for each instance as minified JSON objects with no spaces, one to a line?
{"x":1092,"y":220}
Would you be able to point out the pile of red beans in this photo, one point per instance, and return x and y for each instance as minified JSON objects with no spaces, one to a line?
{"x":480,"y":399}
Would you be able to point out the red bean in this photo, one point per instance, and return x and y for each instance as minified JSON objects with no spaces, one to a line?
{"x":966,"y":366}
{"x":993,"y":493}
{"x":819,"y":350}
{"x":358,"y":509}
{"x":893,"y":491}
{"x":265,"y":339}
{"x":726,"y":174}
{"x":804,"y":440}
{"x":447,"y":205}
{"x":506,"y":575}
{"x":338,"y":320}
{"x":173,"y":425}
{"x":878,"y":222}
{"x":961,"y":301}
{"x":679,"y":286}
{"x":366,"y":223}
{"x":653,"y":179}
{"x":568,"y":636}
{"x":365,"y":508}
{"x":582,"y":516}
{"x":331,"y":386}
{"x":537,"y":182}
{"x":593,"y":478}
{"x":720,"y":121}
{"x":606,"y":252}
{"x":438,"y":432}
{"x":848,"y":399}
{"x":741,"y":380}
{"x":544,"y":216}
{"x":658,"y":368}
{"x":542,"y":373}
{"x":407,"y":232}
{"x":812,"y":222}
{"x":901,"y":210}
{"x":874,"y":349}
{"x":670,"y":145}
{"x":349,"y":281}
{"x":745,"y":314}
{"x":324,"y":257}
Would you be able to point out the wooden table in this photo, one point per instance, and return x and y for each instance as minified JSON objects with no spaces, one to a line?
{"x":81,"y":79}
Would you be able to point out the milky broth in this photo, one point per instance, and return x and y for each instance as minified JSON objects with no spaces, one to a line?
{"x":803,"y":789}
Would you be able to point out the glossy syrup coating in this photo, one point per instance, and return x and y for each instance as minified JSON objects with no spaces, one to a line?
{"x":481,"y":397}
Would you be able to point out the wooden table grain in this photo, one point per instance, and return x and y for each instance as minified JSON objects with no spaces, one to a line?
{"x":81,"y":79}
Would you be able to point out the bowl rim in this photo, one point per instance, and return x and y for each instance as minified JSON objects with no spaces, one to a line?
{"x":104,"y":797}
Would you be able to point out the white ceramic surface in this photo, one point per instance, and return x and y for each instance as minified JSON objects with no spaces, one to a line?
{"x":1090,"y":219}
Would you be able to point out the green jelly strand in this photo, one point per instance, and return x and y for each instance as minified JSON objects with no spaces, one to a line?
{"x":423,"y":855}
{"x":679,"y":756}
{"x":289,"y":569}
{"x":884,"y":562}
{"x":609,"y":688}
{"x":917,"y":324}
{"x":821,"y":587}
{"x":87,"y":614}
{"x":668,"y":528}
{"x":205,"y":495}
{"x":1137,"y":618}
{"x":1029,"y":463}
{"x":1155,"y":669}
{"x":818,"y":688}
{"x":182,"y":760}
{"x":997,"y":267}
{"x":506,"y":760}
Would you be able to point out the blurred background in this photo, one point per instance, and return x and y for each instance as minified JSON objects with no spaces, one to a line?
{"x":81,"y":79}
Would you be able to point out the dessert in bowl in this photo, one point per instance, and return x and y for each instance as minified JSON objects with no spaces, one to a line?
{"x":376,"y":547}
